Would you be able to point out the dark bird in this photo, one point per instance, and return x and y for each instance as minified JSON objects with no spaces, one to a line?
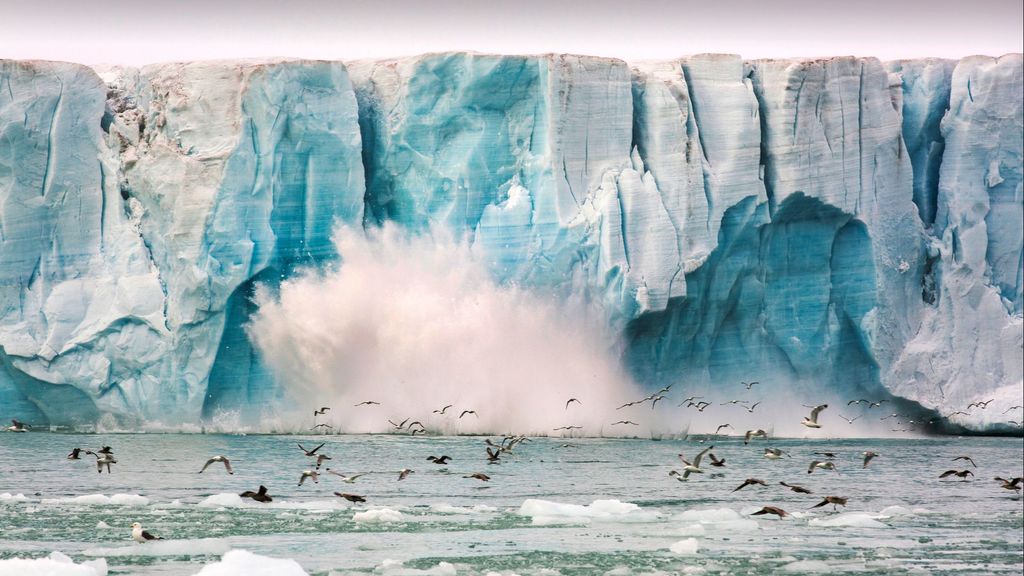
{"x":570,"y":401}
{"x":310,"y":474}
{"x":140,"y":535}
{"x":823,"y":466}
{"x":797,"y":489}
{"x":720,"y":426}
{"x":312,"y":452}
{"x":322,"y":410}
{"x":464,"y":412}
{"x":771,"y":510}
{"x":774,"y":453}
{"x":350,"y":497}
{"x":442,"y":410}
{"x":750,"y":482}
{"x":400,"y":425}
{"x":715,"y":461}
{"x":868,"y":456}
{"x":439,"y":459}
{"x":833,"y":500}
{"x":368,"y":403}
{"x":567,"y":428}
{"x":74,"y":454}
{"x":982,"y":405}
{"x":224,"y":459}
{"x":479,"y":476}
{"x":404,"y":472}
{"x":826,"y":454}
{"x":962,"y":474}
{"x":1011,"y":408}
{"x":325,"y":426}
{"x":967,"y":458}
{"x":105,"y":450}
{"x":624,"y":422}
{"x":1013,"y":484}
{"x":754,"y":434}
{"x":259,"y":496}
{"x":493,"y":455}
{"x":750,"y":385}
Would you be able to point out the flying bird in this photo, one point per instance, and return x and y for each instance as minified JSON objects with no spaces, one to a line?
{"x":829,"y":455}
{"x":750,"y":385}
{"x":823,"y":466}
{"x":400,"y":425}
{"x":310,"y":474}
{"x":981,"y":405}
{"x":479,"y":476}
{"x":224,"y":459}
{"x":322,"y":410}
{"x":346,"y":479}
{"x":404,"y":472}
{"x":754,"y":434}
{"x":720,"y":426}
{"x":962,"y":474}
{"x":464,"y":412}
{"x":751,"y":408}
{"x":1013,"y":484}
{"x":74,"y":454}
{"x":259,"y":496}
{"x":750,"y":482}
{"x":774,"y":453}
{"x":320,"y":460}
{"x":1011,"y":408}
{"x":368,"y":403}
{"x":493,"y":456}
{"x":812,"y":421}
{"x":140,"y":535}
{"x":442,"y":410}
{"x":693,"y":467}
{"x":570,"y":401}
{"x":439,"y":459}
{"x":797,"y":489}
{"x":833,"y":500}
{"x":624,"y":422}
{"x":350,"y":497}
{"x":103,"y":460}
{"x":17,"y":426}
{"x":325,"y":426}
{"x":715,"y":461}
{"x":967,"y":458}
{"x":312,"y":452}
{"x":567,"y":428}
{"x":771,"y":510}
{"x":849,"y":420}
{"x":868,"y":456}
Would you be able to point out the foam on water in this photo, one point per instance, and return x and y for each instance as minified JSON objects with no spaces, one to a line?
{"x":199,"y":547}
{"x":854,"y":519}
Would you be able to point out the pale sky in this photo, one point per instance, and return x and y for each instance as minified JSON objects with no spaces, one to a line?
{"x":141,"y":32}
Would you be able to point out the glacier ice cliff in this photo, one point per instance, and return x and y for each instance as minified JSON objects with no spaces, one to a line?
{"x":840,"y":224}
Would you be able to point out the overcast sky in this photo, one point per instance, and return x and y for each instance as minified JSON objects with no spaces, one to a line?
{"x":140,"y":32}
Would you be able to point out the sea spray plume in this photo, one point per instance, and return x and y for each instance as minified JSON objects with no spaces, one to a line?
{"x":417,"y":321}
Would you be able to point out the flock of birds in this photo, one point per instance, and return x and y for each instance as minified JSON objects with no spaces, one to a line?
{"x":495,"y":451}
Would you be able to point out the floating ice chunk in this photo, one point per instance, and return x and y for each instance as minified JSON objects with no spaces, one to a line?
{"x":102,"y":500}
{"x":807,"y":566}
{"x":545,"y":512}
{"x":687,"y":546}
{"x":854,"y":519}
{"x":202,"y":547}
{"x":101,"y":525}
{"x":222,"y":500}
{"x":391,"y":567}
{"x":720,"y":519}
{"x":56,"y":564}
{"x":245,"y":563}
{"x":378,"y":515}
{"x":8,"y":497}
{"x":444,"y":508}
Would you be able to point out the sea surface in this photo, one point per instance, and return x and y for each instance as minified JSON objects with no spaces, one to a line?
{"x":552,"y":507}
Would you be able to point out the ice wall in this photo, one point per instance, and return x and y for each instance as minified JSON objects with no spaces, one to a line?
{"x":841,"y":225}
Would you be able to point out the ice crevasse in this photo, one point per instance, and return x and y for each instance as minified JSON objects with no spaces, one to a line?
{"x":840,"y":223}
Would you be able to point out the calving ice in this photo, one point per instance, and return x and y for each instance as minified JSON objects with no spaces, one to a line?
{"x":838,"y":227}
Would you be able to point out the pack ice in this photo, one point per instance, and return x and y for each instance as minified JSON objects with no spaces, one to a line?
{"x":838,"y":224}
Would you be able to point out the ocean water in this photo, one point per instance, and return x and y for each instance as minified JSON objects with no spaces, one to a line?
{"x":552,"y":507}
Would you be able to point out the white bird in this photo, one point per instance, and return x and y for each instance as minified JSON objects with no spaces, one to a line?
{"x":822,"y":465}
{"x":694,"y":467}
{"x":102,"y":460}
{"x":773,"y":453}
{"x":17,"y":426}
{"x":310,"y":474}
{"x":812,"y":422}
{"x":224,"y":459}
{"x":346,"y":479}
{"x":140,"y":535}
{"x":754,"y":434}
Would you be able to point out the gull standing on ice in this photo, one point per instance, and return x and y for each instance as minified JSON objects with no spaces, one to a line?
{"x":140,"y":535}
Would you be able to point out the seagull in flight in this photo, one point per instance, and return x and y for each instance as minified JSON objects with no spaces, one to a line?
{"x":464,"y":412}
{"x":309,"y":474}
{"x":346,"y":479}
{"x":368,"y":403}
{"x":570,"y":401}
{"x":754,"y":434}
{"x":320,"y":459}
{"x":868,"y":456}
{"x":750,"y":482}
{"x":355,"y":498}
{"x":751,"y":408}
{"x":720,"y":426}
{"x":981,"y":405}
{"x":398,"y":426}
{"x":311,"y":453}
{"x":442,"y":410}
{"x":103,"y":460}
{"x":74,"y":454}
{"x":967,"y":458}
{"x":750,"y":385}
{"x":693,"y":467}
{"x":625,"y":422}
{"x":823,"y":466}
{"x":715,"y":461}
{"x":567,"y":428}
{"x":774,"y":453}
{"x":833,"y":500}
{"x":439,"y":459}
{"x":479,"y":476}
{"x":795,"y":488}
{"x":962,"y":474}
{"x":812,"y":422}
{"x":322,"y":410}
{"x":1011,"y":408}
{"x":259,"y":496}
{"x":224,"y":459}
{"x":404,"y":472}
{"x":771,"y":510}
{"x":850,"y":420}
{"x":1013,"y":484}
{"x":324,"y":426}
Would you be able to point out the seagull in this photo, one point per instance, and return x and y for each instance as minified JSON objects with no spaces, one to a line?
{"x":894,"y":415}
{"x":829,"y":455}
{"x":823,"y":466}
{"x":140,"y":535}
{"x":105,"y":450}
{"x":101,"y":461}
{"x":734,"y":402}
{"x":981,"y":405}
{"x":479,"y":476}
{"x":327,"y":426}
{"x":310,"y":474}
{"x":771,"y":510}
{"x":812,"y":422}
{"x":675,"y":474}
{"x":346,"y":479}
{"x":715,"y":461}
{"x":690,"y":400}
{"x":797,"y":489}
{"x":570,"y":428}
{"x":442,"y":410}
{"x":1013,"y":484}
{"x":439,"y":459}
{"x":700,"y":405}
{"x":774,"y":453}
{"x":367,"y":403}
{"x":624,"y":422}
{"x":833,"y":500}
{"x":751,"y":408}
{"x":749,"y":385}
{"x":570,"y":401}
{"x":312,"y":452}
{"x":17,"y":426}
{"x":320,"y":459}
{"x":750,"y":482}
{"x":754,"y":434}
{"x":400,"y":425}
{"x":962,"y":474}
{"x":74,"y":454}
{"x":464,"y":412}
{"x":720,"y":426}
{"x":404,"y":472}
{"x":224,"y":459}
{"x":968,"y":458}
{"x":868,"y":456}
{"x":693,"y":467}
{"x":1011,"y":408}
{"x":627,"y":404}
{"x":350,"y":497}
{"x":260,"y":496}
{"x":850,"y":420}
{"x":960,"y":412}
{"x":655,"y":400}
{"x":322,"y":410}
{"x":493,"y":456}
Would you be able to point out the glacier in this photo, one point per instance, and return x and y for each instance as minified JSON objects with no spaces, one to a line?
{"x":841,"y":224}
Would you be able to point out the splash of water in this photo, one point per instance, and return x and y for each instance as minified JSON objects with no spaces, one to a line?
{"x":416,"y":323}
